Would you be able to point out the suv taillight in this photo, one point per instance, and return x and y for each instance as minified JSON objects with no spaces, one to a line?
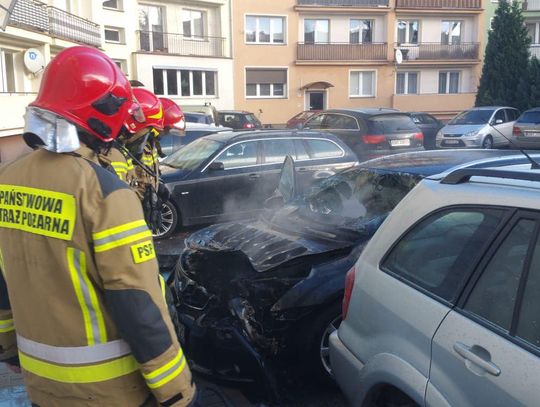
{"x":349,"y":284}
{"x":248,"y":126}
{"x":373,"y":138}
{"x":419,"y":136}
{"x":516,"y":132}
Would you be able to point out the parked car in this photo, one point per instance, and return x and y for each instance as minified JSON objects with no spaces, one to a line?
{"x":239,"y":120}
{"x":273,"y":286}
{"x":526,"y":131}
{"x":175,"y":139}
{"x":207,"y":109}
{"x":370,"y":133}
{"x":429,"y":125}
{"x":300,"y":118}
{"x":193,"y":117}
{"x":481,"y":127}
{"x":229,"y":175}
{"x":441,"y":308}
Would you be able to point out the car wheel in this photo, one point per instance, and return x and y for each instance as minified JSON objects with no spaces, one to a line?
{"x":488,"y":143}
{"x":169,"y":221}
{"x":322,"y":326}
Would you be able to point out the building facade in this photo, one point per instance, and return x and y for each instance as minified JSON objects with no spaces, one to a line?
{"x":299,"y":55}
{"x":179,"y":49}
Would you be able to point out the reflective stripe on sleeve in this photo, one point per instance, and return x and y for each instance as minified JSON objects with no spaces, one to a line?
{"x":94,"y":323}
{"x":2,"y":267}
{"x":120,"y":235}
{"x":75,"y":355}
{"x":162,"y":284}
{"x":6,"y":325}
{"x":79,"y":374}
{"x":167,"y":372}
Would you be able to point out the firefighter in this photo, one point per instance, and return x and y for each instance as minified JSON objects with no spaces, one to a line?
{"x":80,"y":302}
{"x":172,"y":117}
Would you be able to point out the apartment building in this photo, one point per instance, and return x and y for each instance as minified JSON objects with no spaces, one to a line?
{"x":298,"y":55}
{"x":531,"y":13}
{"x":177,"y":48}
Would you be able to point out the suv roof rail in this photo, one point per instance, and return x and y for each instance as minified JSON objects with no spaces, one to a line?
{"x":464,"y":175}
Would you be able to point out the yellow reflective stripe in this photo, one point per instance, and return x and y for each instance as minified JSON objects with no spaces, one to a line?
{"x":6,"y":325}
{"x":162,"y":284}
{"x":2,"y":267}
{"x":118,"y":229}
{"x":94,"y":322}
{"x":120,"y":235}
{"x":122,"y":242}
{"x":79,"y":374}
{"x":167,"y":372}
{"x":158,"y":115}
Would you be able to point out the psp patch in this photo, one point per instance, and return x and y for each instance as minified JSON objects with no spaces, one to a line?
{"x":142,"y":252}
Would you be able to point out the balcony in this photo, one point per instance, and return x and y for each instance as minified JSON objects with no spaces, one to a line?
{"x":535,"y":50}
{"x":336,"y":51}
{"x":37,"y":16}
{"x":531,"y":5}
{"x":178,"y":44}
{"x":343,"y":3}
{"x":441,"y":4}
{"x":436,"y":51}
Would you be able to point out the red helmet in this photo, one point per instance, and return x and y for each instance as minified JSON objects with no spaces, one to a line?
{"x":172,"y":114}
{"x":151,"y":108}
{"x":85,"y":86}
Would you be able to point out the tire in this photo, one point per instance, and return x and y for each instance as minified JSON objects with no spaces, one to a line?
{"x":169,"y":218}
{"x":487,"y":143}
{"x":318,"y":334}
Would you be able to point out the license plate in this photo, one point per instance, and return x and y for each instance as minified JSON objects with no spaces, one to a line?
{"x":532,"y":133}
{"x":403,"y":142}
{"x":451,"y":141}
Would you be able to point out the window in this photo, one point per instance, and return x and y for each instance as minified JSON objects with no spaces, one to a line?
{"x":193,"y":23}
{"x":499,"y":115}
{"x":406,"y":83}
{"x":362,"y":84}
{"x":340,"y":121}
{"x":301,"y":152}
{"x":183,"y":82}
{"x":494,"y":295}
{"x":266,"y":83}
{"x":360,"y":31}
{"x":239,"y":155}
{"x":265,"y":30}
{"x":316,"y":122}
{"x":449,"y":82}
{"x":512,"y":114}
{"x":113,"y":34}
{"x":122,"y":64}
{"x":407,"y":31}
{"x":451,"y":32}
{"x":114,"y":4}
{"x":275,"y":151}
{"x":151,"y":28}
{"x":437,"y":253}
{"x":7,"y":72}
{"x":323,"y":149}
{"x":316,"y":31}
{"x":533,"y":30}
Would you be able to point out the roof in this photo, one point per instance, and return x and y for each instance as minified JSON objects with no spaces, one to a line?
{"x":234,"y":112}
{"x":229,"y":136}
{"x":363,"y":111}
{"x":490,"y":107}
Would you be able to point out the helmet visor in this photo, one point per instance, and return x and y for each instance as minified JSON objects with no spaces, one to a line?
{"x":136,"y":112}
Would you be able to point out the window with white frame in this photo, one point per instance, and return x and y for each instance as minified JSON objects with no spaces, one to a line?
{"x":449,"y":81}
{"x":406,"y":83}
{"x":451,"y":32}
{"x":184,"y":82}
{"x":193,"y":23}
{"x":362,"y":84}
{"x":360,"y":31}
{"x":113,"y":4}
{"x":265,"y":30}
{"x":316,"y":31}
{"x":407,"y":31}
{"x":7,"y":72}
{"x":266,"y":83}
{"x":122,"y":64}
{"x":114,"y":35}
{"x":533,"y":30}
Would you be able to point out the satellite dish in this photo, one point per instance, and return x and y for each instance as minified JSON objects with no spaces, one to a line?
{"x":34,"y":60}
{"x":398,"y":56}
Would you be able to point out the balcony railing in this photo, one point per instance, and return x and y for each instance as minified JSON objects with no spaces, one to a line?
{"x":531,"y":5}
{"x":35,"y":15}
{"x":436,"y":51}
{"x":343,"y":3}
{"x":170,"y":43}
{"x":440,"y":4}
{"x":535,"y":50}
{"x":335,"y":51}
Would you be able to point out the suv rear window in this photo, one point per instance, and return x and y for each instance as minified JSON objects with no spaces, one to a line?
{"x":391,"y":123}
{"x":530,"y":117}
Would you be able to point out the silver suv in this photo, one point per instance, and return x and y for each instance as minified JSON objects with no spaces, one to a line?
{"x":443,"y":306}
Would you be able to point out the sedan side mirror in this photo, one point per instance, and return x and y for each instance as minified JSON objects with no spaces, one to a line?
{"x":300,"y":126}
{"x":498,"y":121}
{"x":216,"y":166}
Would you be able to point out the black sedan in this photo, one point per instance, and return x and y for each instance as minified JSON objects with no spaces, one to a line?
{"x":254,"y":293}
{"x":429,"y":125}
{"x":230,"y":175}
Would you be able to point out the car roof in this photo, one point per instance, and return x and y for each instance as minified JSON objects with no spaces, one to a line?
{"x":234,"y":136}
{"x":363,"y":111}
{"x":490,"y":108}
{"x":534,"y":109}
{"x":433,"y":162}
{"x":234,"y":112}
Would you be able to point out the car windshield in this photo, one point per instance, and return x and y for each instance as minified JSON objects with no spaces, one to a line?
{"x":472,"y":117}
{"x":391,"y":123}
{"x":192,"y":155}
{"x":530,"y":117}
{"x":195,"y":118}
{"x":358,"y":196}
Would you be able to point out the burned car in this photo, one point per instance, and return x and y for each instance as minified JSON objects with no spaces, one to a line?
{"x":260,"y":292}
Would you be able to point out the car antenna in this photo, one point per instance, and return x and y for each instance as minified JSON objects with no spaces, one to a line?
{"x":534,"y":164}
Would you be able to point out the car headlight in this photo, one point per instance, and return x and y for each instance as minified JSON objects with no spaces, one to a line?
{"x":471,"y":133}
{"x":439,"y":134}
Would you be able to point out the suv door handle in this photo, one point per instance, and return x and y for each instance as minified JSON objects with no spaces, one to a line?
{"x":479,"y":356}
{"x":254,"y":176}
{"x":303,"y":169}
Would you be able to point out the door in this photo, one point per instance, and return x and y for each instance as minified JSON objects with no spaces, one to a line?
{"x":486,"y":351}
{"x":274,"y":152}
{"x":501,"y":127}
{"x":315,"y":100}
{"x":151,"y":28}
{"x":429,"y":126}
